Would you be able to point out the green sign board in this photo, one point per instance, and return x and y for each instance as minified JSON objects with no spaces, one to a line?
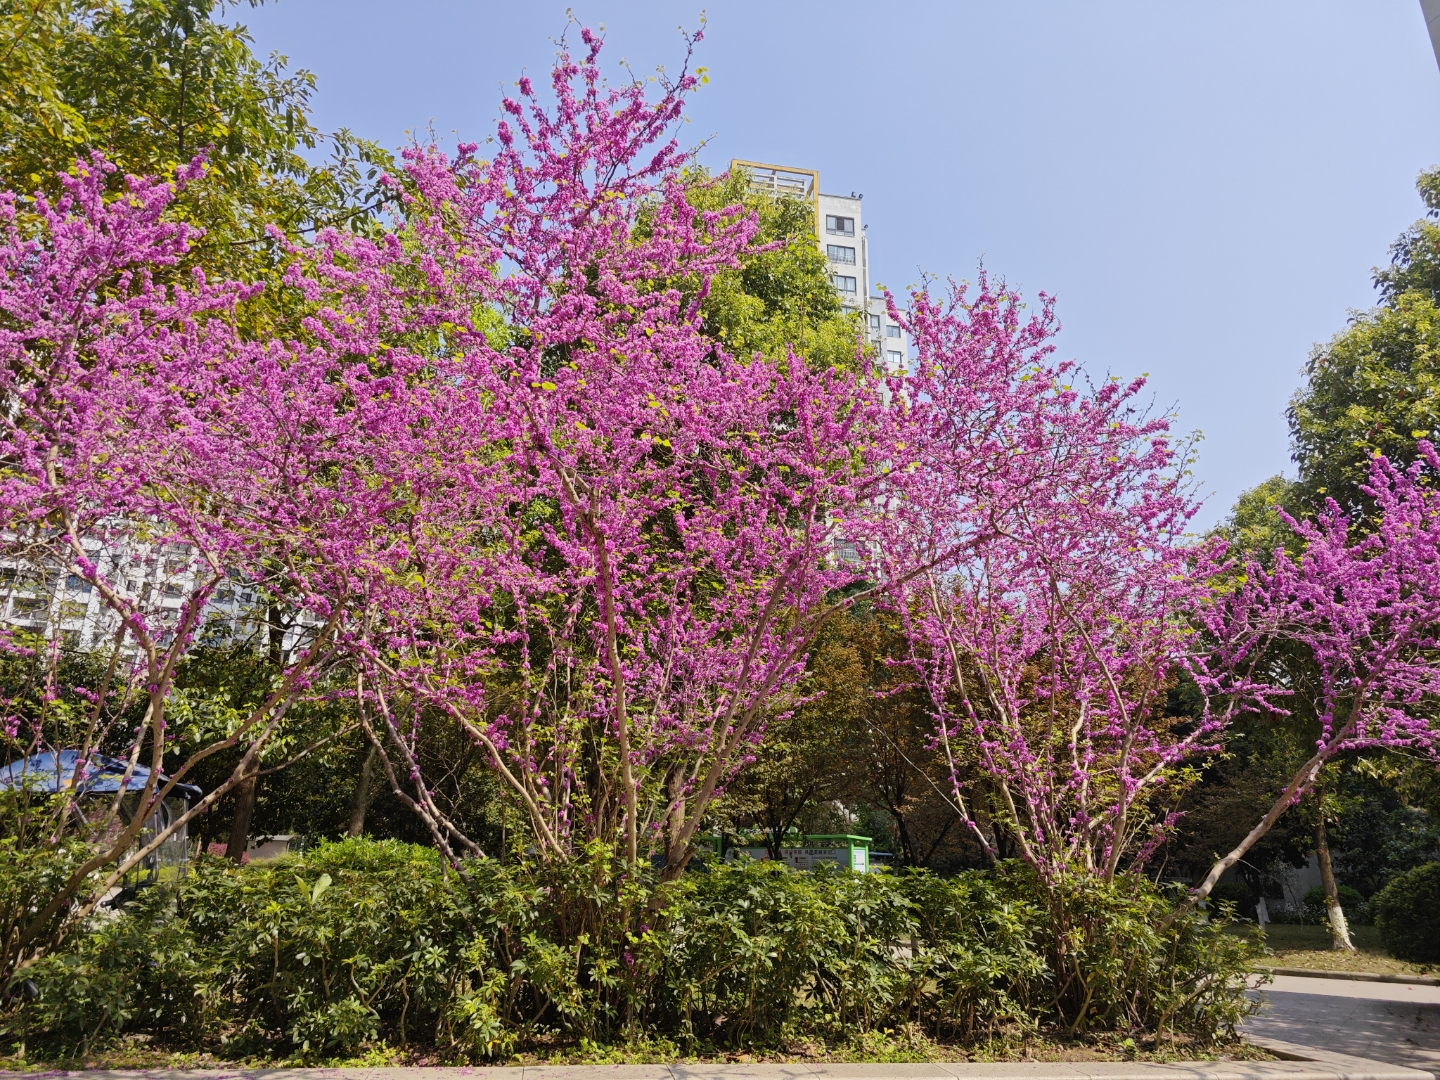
{"x":805,"y":852}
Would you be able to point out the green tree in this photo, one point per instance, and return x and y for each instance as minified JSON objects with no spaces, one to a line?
{"x":900,"y":776}
{"x":782,"y":296}
{"x":33,"y":109}
{"x":1375,"y":387}
{"x":1254,"y":526}
{"x":805,"y":760}
{"x":1415,"y":256}
{"x":151,"y":83}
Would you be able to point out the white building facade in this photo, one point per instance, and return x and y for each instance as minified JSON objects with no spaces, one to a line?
{"x":40,"y":592}
{"x":840,"y":228}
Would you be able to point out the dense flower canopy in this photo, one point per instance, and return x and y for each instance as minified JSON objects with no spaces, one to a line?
{"x":515,"y":489}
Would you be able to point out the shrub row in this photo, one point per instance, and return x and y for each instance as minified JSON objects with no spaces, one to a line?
{"x":361,"y":941}
{"x":1311,"y":911}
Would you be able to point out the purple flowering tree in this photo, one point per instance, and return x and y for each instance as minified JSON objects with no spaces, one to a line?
{"x":139,"y":424}
{"x":1363,"y":607}
{"x":625,"y":546}
{"x":1049,"y":634}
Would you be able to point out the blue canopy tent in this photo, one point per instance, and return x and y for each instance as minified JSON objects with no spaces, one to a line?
{"x":99,"y":775}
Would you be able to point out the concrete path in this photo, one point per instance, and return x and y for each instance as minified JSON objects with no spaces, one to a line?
{"x":1398,"y":1023}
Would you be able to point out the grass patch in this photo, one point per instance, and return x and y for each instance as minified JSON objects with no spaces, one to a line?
{"x":1310,"y":947}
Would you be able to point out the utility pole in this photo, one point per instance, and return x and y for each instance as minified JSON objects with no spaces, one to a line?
{"x":1431,"y":8}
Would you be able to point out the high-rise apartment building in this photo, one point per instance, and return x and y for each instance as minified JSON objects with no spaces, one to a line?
{"x":840,"y":227}
{"x":39,"y":593}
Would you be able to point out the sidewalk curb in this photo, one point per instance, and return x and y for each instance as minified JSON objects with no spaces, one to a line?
{"x":1344,"y":1064}
{"x":1353,"y":976}
{"x":1297,"y":1063}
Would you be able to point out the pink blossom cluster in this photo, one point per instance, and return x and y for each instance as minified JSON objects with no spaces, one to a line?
{"x":1361,"y":607}
{"x":1048,"y":639}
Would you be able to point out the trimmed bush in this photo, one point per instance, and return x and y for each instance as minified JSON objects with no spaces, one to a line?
{"x":1355,"y":906}
{"x":1407,"y":911}
{"x":322,"y":954}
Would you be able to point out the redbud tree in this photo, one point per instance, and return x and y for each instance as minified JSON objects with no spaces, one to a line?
{"x":627,"y":543}
{"x":139,"y":424}
{"x":1048,"y":637}
{"x":1363,"y":607}
{"x":1071,"y":600}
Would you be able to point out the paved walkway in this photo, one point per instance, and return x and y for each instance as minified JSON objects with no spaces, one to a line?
{"x":1397,"y":1023}
{"x":1323,"y":1067}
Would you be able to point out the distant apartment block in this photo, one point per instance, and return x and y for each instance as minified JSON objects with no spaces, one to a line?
{"x":840,"y":227}
{"x":40,"y":593}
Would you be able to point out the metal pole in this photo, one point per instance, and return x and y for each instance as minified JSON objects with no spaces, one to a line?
{"x":1431,"y":9}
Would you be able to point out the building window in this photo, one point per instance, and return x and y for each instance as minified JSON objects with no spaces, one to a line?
{"x":25,"y":577}
{"x":897,"y":359}
{"x":892,"y":331}
{"x":76,"y":583}
{"x":840,"y":226}
{"x":840,"y":253}
{"x":874,"y":322}
{"x":843,"y":282}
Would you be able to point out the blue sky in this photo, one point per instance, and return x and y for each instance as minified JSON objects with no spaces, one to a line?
{"x":1204,"y":187}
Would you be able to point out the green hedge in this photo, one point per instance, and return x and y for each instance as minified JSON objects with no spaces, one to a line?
{"x":1407,"y":911}
{"x":362,"y":941}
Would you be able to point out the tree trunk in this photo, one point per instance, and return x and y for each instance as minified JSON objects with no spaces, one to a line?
{"x":675,"y":851}
{"x":244,"y":811}
{"x":907,"y":843}
{"x":940,"y":839}
{"x":363,"y":795}
{"x":239,"y":840}
{"x":1339,"y":930}
{"x":1299,"y":785}
{"x":989,"y":835}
